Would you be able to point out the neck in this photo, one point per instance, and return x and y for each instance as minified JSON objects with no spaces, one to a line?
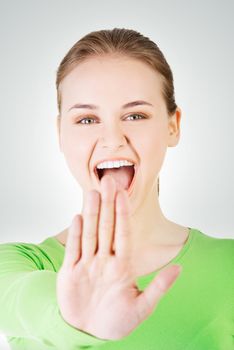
{"x":151,"y":230}
{"x":149,"y":226}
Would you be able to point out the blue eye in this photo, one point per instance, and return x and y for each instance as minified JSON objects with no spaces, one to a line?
{"x":135,"y":114}
{"x":79,"y":122}
{"x":139,"y":115}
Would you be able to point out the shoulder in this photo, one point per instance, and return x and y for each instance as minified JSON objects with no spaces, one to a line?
{"x":216,"y":251}
{"x":216,"y":242}
{"x":26,"y":254}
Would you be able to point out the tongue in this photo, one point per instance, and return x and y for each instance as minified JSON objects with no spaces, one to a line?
{"x":123,"y":176}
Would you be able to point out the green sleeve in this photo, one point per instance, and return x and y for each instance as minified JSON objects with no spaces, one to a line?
{"x":28,"y":302}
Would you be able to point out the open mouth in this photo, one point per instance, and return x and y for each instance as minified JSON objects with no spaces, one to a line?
{"x":124,"y":175}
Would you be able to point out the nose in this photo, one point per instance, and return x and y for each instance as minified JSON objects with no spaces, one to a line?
{"x":112,"y":137}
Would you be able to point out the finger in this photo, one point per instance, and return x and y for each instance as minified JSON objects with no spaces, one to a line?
{"x":90,"y":224}
{"x":123,"y":225}
{"x":148,"y":299}
{"x":73,"y":243}
{"x":107,"y":216}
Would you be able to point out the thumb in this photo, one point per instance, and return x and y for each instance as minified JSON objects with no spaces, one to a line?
{"x":147,"y":300}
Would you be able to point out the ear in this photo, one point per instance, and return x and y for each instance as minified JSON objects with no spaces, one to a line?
{"x":174,"y":128}
{"x":58,"y":130}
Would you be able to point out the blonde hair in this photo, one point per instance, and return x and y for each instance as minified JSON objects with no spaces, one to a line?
{"x":119,"y":42}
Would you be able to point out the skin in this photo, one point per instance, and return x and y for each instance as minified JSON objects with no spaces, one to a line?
{"x":96,"y":289}
{"x":110,"y":82}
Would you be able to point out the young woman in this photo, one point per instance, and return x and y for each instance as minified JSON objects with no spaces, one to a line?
{"x":111,"y":279}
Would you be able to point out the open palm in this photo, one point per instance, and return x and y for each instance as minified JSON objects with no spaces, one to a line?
{"x":96,"y":288}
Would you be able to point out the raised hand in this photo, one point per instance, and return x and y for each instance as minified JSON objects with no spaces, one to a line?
{"x":96,"y":288}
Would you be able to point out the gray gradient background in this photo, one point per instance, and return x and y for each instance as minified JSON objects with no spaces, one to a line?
{"x":39,"y":196}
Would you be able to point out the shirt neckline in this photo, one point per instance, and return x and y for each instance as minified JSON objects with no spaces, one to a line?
{"x":174,"y":260}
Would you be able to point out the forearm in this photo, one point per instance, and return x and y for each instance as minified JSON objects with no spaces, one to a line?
{"x":29,"y":307}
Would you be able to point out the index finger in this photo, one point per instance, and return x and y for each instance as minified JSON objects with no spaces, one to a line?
{"x":123,"y":232}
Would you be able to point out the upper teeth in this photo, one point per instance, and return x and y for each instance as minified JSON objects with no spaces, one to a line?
{"x":113,"y":164}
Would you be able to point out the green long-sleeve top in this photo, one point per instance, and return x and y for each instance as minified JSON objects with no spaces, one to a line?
{"x":196,"y":313}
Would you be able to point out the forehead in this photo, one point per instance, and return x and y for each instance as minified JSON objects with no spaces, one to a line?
{"x":120,"y":79}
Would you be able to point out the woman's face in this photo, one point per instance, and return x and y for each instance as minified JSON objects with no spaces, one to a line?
{"x":140,"y":132}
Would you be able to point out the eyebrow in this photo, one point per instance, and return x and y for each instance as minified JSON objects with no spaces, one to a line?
{"x":126,"y":105}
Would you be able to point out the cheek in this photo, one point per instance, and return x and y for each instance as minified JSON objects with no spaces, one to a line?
{"x":152,"y":150}
{"x":154,"y":142}
{"x":74,"y":142}
{"x":77,"y":151}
